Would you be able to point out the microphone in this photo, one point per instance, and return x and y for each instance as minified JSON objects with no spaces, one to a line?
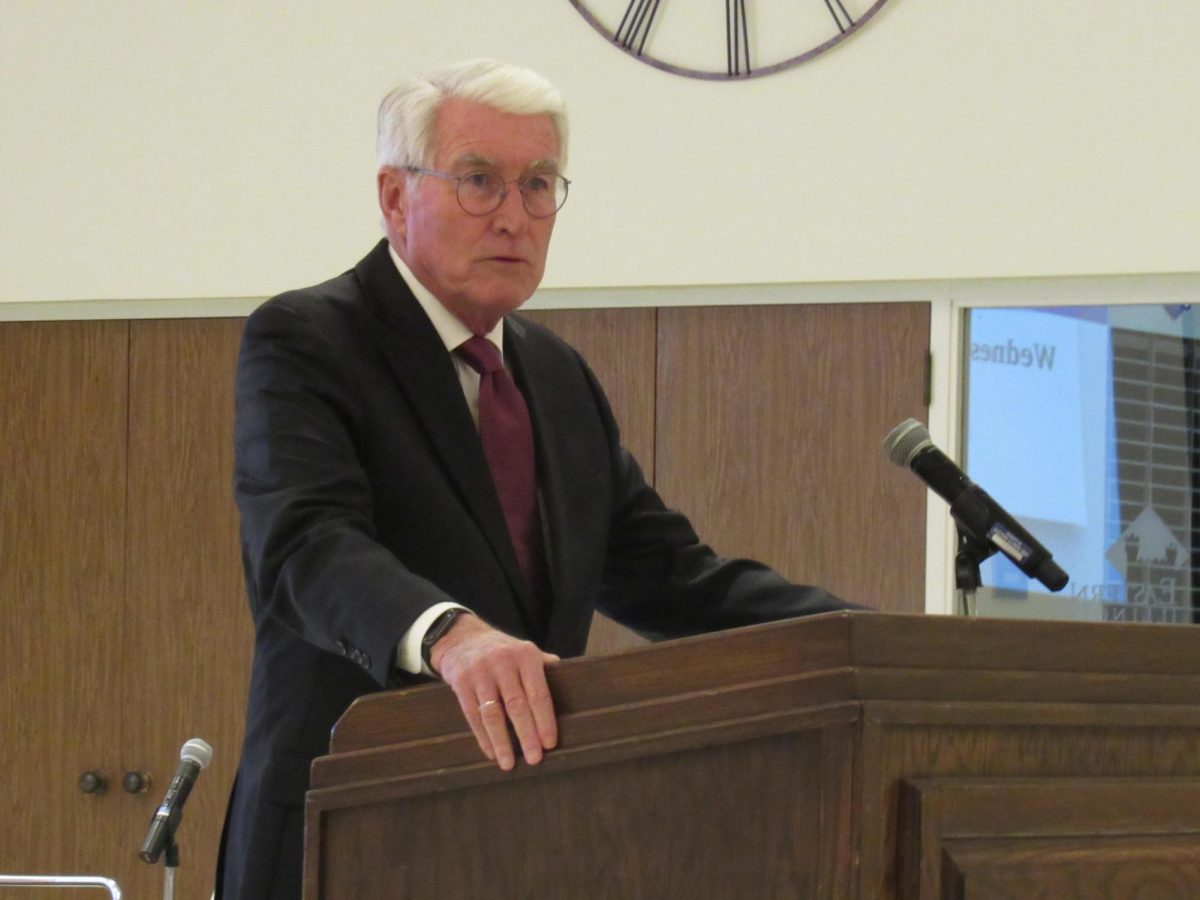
{"x":908,"y":444}
{"x":193,"y":756}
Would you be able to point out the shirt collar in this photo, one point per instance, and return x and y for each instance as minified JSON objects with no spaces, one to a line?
{"x":452,"y":332}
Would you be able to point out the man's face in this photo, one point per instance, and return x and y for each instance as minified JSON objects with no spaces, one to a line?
{"x":479,"y":267}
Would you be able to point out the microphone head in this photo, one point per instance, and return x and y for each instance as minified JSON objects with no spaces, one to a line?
{"x":196,"y":751}
{"x":905,"y":441}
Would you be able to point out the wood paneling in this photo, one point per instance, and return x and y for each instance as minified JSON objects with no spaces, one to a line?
{"x":120,"y":576}
{"x":62,"y":582}
{"x":187,"y":627}
{"x":770,"y":422}
{"x":619,"y":346}
{"x":119,"y":562}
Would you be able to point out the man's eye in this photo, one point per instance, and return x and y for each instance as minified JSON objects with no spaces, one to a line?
{"x":537,"y":184}
{"x":480,"y":181}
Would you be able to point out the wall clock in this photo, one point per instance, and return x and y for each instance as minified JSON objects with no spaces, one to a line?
{"x":745,"y":39}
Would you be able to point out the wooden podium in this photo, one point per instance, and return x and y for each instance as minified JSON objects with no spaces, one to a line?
{"x":847,"y":755}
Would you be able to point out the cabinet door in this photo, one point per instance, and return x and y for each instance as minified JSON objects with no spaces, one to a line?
{"x":770,"y":422}
{"x":187,"y":638}
{"x":63,"y":415}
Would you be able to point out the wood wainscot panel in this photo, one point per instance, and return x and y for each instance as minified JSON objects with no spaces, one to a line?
{"x":62,"y":583}
{"x":770,"y":423}
{"x":618,"y":345}
{"x":188,"y":639}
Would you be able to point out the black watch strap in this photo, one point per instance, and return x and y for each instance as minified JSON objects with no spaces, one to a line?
{"x":436,"y":631}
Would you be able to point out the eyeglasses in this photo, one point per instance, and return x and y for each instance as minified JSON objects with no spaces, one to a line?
{"x":480,"y":193}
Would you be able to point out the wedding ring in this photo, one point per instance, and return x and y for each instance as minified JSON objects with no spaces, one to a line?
{"x":486,"y":703}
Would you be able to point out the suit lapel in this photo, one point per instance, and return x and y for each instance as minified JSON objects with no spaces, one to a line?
{"x":425,"y":372}
{"x":536,"y":379}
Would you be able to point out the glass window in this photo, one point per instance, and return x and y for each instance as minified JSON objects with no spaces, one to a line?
{"x":1082,"y":422}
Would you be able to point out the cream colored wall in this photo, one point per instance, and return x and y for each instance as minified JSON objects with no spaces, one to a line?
{"x":224,"y":149}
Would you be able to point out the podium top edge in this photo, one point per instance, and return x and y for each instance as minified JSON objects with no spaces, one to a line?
{"x":821,"y":646}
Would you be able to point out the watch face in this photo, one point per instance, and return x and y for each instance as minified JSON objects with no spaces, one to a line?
{"x":737,"y":39}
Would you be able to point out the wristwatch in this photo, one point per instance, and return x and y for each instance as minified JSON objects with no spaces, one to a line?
{"x":437,"y":631}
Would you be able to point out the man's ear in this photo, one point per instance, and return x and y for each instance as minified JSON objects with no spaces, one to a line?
{"x":393,"y":200}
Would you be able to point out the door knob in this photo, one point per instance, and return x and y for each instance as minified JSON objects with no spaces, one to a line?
{"x":136,"y":782}
{"x":93,"y":782}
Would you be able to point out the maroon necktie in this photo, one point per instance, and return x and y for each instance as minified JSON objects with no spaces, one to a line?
{"x":508,"y":445}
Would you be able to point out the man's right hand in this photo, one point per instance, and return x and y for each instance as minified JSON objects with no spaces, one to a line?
{"x":497,"y":679}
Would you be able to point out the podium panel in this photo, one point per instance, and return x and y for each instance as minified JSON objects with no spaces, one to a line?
{"x":1115,"y":838}
{"x":620,"y":829}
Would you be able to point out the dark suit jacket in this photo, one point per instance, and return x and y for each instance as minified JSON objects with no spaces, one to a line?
{"x":365,"y":498}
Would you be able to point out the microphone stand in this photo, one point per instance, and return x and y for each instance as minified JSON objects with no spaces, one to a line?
{"x":971,"y":552}
{"x":170,"y":866}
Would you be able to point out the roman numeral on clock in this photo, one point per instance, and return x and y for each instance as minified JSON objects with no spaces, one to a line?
{"x":635,"y":24}
{"x":737,"y":38}
{"x":840,"y":17}
{"x":786,"y":33}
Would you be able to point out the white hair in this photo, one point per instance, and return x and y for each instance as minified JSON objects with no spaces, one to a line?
{"x":406,"y":115}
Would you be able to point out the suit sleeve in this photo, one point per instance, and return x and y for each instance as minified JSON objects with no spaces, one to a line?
{"x":312,"y":558}
{"x":662,"y":581}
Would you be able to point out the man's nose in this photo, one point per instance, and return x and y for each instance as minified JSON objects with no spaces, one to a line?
{"x":511,"y":214}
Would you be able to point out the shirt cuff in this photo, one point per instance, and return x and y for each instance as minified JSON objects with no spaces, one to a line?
{"x":408,"y":651}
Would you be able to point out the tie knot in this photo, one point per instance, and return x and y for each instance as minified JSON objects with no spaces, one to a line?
{"x":481,"y":355}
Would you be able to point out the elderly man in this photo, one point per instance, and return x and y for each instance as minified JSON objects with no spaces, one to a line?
{"x":431,"y":486}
